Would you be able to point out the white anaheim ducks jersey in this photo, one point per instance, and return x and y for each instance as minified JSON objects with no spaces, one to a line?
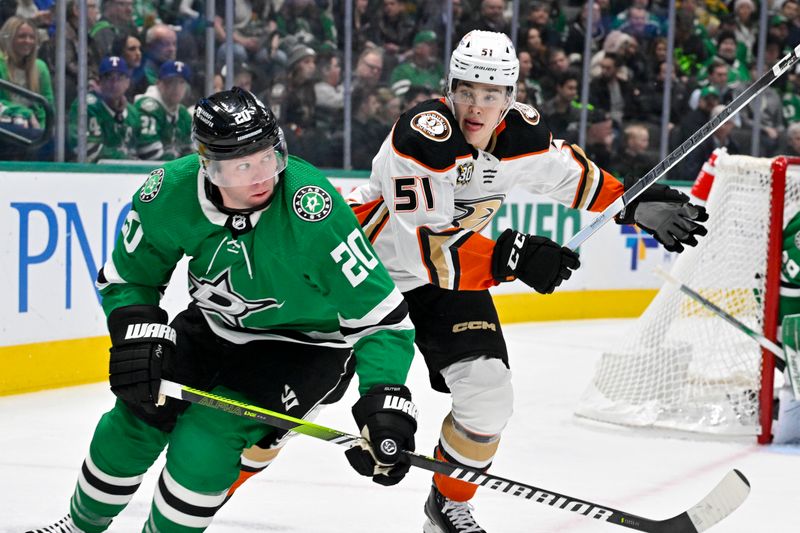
{"x":430,"y":192}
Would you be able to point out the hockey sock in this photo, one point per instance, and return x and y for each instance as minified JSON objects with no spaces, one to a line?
{"x":254,"y":460}
{"x":178,"y":509}
{"x":458,"y":445}
{"x":122,"y":449}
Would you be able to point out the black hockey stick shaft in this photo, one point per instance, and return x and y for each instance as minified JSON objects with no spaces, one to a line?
{"x":687,"y":146}
{"x":718,"y":504}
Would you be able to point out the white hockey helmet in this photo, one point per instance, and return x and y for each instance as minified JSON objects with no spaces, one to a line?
{"x":485,"y":57}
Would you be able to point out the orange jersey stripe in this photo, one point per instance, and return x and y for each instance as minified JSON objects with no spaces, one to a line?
{"x":610,"y":190}
{"x":363,"y":211}
{"x":475,"y":261}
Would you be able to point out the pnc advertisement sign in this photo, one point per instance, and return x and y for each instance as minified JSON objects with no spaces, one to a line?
{"x":61,"y":227}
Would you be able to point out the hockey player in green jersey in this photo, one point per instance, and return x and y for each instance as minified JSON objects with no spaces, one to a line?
{"x":288,"y":299}
{"x":166,"y":125}
{"x":113,"y":123}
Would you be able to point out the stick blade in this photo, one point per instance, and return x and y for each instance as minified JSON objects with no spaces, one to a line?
{"x":724,"y":499}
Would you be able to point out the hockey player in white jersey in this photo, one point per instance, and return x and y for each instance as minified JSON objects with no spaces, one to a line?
{"x":437,"y":181}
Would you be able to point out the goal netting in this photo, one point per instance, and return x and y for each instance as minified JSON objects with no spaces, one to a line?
{"x":681,"y":367}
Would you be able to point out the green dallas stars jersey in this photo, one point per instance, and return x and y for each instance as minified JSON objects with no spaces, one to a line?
{"x":110,"y":135}
{"x":301,"y":270}
{"x":164,"y":135}
{"x":790,"y":270}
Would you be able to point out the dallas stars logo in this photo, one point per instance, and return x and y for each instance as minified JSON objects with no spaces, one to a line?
{"x":312,"y":203}
{"x":219,"y":297}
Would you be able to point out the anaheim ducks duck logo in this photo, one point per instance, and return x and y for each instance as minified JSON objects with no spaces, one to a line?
{"x":432,"y":125}
{"x":528,"y":113}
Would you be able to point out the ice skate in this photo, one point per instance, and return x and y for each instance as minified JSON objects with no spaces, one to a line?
{"x":448,"y":516}
{"x":65,"y":525}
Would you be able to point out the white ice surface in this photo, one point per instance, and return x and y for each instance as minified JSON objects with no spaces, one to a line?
{"x":44,"y":438}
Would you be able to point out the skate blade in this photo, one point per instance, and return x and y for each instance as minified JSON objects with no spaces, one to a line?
{"x":430,"y":527}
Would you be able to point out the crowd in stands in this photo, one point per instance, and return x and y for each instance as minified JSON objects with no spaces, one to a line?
{"x":146,"y":68}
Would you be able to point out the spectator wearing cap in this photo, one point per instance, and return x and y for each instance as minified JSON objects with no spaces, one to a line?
{"x":160,"y":45}
{"x":19,"y":45}
{"x":113,"y":122}
{"x":778,"y":29}
{"x":116,"y":19}
{"x":423,"y":68}
{"x":166,"y":125}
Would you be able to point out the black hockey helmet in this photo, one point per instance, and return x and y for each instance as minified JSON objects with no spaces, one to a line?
{"x":231,"y":124}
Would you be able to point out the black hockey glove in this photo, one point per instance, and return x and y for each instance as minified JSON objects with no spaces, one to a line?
{"x":141,"y":340}
{"x":536,"y":261}
{"x":388,"y":420}
{"x":667,"y":215}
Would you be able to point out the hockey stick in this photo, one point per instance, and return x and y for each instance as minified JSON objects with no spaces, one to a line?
{"x":688,"y":145}
{"x":719,"y":503}
{"x":783,"y":358}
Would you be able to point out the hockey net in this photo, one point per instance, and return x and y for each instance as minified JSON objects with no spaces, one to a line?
{"x":682,"y":367}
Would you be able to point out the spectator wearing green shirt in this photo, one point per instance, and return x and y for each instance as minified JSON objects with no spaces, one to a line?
{"x":166,"y":125}
{"x":423,"y":68}
{"x":19,"y":46}
{"x":113,"y":123}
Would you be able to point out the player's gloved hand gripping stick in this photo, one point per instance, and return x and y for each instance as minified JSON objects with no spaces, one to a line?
{"x":725,"y":498}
